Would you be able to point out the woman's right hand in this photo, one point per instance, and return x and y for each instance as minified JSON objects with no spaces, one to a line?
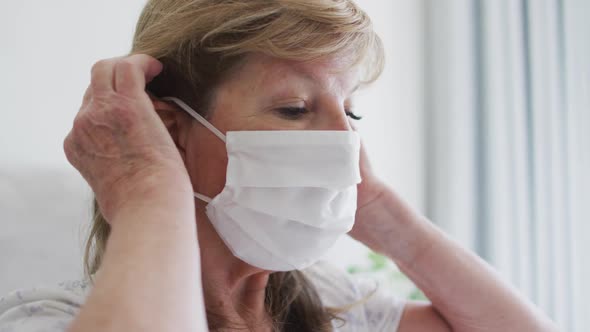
{"x":118,"y":142}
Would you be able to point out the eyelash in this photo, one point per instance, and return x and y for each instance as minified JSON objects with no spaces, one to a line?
{"x":294,"y":113}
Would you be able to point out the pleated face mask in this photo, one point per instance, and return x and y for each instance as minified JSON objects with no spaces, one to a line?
{"x":289,"y":194}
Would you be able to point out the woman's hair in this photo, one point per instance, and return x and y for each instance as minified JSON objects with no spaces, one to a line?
{"x":199,"y":43}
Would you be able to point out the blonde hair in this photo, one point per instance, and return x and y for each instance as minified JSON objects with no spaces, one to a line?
{"x":200,"y":42}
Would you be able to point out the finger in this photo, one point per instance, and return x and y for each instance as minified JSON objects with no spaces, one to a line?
{"x":133,"y":73}
{"x":87,"y":97}
{"x":86,"y":100}
{"x":101,"y":79}
{"x":81,"y":111}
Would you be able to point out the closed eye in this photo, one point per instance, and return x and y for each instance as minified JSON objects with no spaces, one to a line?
{"x":296,"y":113}
{"x":292,"y":113}
{"x":353,"y":116}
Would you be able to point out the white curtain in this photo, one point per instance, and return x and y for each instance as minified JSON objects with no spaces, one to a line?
{"x":507,"y":118}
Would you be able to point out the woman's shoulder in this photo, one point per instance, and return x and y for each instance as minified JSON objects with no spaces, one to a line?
{"x":369,"y":306}
{"x":335,"y":287}
{"x":43,"y":308}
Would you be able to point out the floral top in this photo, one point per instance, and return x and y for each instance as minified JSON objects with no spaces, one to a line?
{"x":51,"y":309}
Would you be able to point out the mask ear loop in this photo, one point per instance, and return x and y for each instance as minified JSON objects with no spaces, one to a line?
{"x":197,"y":116}
{"x":205,"y":123}
{"x":202,"y":197}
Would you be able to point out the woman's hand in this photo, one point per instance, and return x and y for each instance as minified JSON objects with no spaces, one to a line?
{"x":118,"y":143}
{"x":371,"y":187}
{"x":465,"y":293}
{"x":373,"y":196}
{"x":123,"y":149}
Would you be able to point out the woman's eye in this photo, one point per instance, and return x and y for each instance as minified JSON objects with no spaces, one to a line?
{"x":353,"y":116}
{"x":292,"y":113}
{"x":295,"y":113}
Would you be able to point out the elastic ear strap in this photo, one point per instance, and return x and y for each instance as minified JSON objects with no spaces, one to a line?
{"x":197,"y":116}
{"x":202,"y":197}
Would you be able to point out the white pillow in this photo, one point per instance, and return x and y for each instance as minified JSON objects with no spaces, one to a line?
{"x":44,"y":218}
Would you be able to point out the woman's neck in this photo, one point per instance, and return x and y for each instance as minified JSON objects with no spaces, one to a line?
{"x":234,"y":291}
{"x":240,"y":304}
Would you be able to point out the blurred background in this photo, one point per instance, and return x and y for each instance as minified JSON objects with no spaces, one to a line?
{"x":481,"y":121}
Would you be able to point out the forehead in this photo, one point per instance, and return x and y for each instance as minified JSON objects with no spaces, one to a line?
{"x":266,"y":72}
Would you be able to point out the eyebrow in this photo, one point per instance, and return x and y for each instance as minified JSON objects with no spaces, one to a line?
{"x":312,"y":78}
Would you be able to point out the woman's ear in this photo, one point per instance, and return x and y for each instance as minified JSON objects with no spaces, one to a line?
{"x":173,"y":119}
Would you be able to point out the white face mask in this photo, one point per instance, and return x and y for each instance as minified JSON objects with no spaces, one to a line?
{"x":289,"y":194}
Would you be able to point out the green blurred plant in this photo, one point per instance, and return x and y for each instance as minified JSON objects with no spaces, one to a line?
{"x":381,"y":267}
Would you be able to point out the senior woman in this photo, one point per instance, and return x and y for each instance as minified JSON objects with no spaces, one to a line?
{"x":224,"y":162}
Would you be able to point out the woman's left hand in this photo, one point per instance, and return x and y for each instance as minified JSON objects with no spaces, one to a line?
{"x":371,"y":228}
{"x":371,"y":187}
{"x":465,"y":293}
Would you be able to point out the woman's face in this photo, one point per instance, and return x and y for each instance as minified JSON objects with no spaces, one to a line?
{"x":266,"y":93}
